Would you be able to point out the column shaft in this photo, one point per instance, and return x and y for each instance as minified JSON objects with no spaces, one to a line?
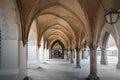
{"x":104,"y":60}
{"x":77,"y":58}
{"x":93,"y":63}
{"x":71,"y":57}
{"x":118,"y":64}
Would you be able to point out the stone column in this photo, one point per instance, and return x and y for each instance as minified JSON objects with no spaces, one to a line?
{"x":47,"y":54}
{"x":118,"y":64}
{"x":77,"y":57}
{"x":85,"y":53}
{"x":67,"y":55}
{"x":71,"y":56}
{"x":50,"y":54}
{"x":82,"y":54}
{"x":43,"y":54}
{"x":62,"y":56}
{"x":22,"y":61}
{"x":104,"y":59}
{"x":37,"y":56}
{"x":93,"y":63}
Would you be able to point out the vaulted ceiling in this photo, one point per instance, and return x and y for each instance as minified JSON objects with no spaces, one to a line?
{"x":69,"y":21}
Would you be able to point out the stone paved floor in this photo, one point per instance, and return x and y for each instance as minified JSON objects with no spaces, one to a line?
{"x":57,"y":69}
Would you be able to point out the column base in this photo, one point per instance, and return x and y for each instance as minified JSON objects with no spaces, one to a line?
{"x":71,"y":61}
{"x":91,"y":77}
{"x":118,"y":66}
{"x":26,"y":78}
{"x":104,"y":62}
{"x":77,"y":66}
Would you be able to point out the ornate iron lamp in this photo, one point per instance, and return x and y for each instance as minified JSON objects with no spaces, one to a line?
{"x":111,"y":15}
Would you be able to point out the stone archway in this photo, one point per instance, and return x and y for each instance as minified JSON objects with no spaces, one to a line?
{"x":103,"y":48}
{"x":13,"y":53}
{"x":57,"y":50}
{"x":107,"y":52}
{"x":32,"y":48}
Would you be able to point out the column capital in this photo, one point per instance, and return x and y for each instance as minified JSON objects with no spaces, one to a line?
{"x":76,"y":48}
{"x":93,"y":46}
{"x":39,"y":45}
{"x":25,"y":41}
{"x":71,"y":49}
{"x":103,"y":48}
{"x":65,"y":49}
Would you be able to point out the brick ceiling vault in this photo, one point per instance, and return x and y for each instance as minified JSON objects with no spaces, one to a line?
{"x":69,"y":21}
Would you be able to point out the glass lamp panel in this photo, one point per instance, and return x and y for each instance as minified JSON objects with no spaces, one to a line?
{"x":114,"y":17}
{"x":108,"y":18}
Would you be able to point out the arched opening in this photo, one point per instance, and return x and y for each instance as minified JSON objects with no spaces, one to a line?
{"x":32,"y":54}
{"x":85,"y":51}
{"x":57,"y":50}
{"x":13,"y":56}
{"x":109,"y":51}
{"x":112,"y":51}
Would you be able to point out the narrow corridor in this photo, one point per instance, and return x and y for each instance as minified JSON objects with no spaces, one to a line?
{"x":59,"y":69}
